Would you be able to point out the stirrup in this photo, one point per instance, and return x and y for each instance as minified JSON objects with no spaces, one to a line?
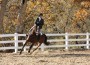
{"x":37,"y":33}
{"x":38,"y":37}
{"x":41,"y":33}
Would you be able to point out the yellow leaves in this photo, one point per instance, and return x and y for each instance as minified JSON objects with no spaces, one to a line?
{"x":39,"y":9}
{"x":45,"y":4}
{"x":12,"y":8}
{"x":38,"y":6}
{"x":85,"y":4}
{"x":44,"y":7}
{"x":81,"y":14}
{"x":49,"y":18}
{"x":48,"y":8}
{"x":16,"y":22}
{"x":38,"y":2}
{"x":30,"y":6}
{"x":0,"y":1}
{"x":79,"y":21}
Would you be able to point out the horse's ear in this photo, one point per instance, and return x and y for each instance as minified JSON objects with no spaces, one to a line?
{"x":34,"y":32}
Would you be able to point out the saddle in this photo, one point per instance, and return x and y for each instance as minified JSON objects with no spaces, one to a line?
{"x":38,"y":33}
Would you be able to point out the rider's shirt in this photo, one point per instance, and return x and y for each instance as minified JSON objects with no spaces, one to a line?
{"x":39,"y":22}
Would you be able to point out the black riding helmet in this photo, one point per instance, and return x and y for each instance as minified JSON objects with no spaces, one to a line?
{"x":40,"y":14}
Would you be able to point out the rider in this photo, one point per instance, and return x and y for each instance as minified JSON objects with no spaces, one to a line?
{"x":39,"y":23}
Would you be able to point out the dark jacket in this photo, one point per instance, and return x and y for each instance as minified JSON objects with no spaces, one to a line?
{"x":39,"y":23}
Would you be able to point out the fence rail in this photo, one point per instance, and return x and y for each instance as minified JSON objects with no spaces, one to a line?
{"x":66,"y":40}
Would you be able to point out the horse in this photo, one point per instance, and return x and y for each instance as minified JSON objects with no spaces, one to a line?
{"x":33,"y":39}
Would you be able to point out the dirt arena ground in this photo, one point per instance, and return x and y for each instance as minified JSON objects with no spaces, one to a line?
{"x":49,"y":57}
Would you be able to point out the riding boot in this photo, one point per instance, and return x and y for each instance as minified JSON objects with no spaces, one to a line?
{"x":38,"y":37}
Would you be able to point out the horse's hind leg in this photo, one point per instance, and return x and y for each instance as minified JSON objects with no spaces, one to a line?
{"x":23,"y":46}
{"x":30,"y":47}
{"x":36,"y":48}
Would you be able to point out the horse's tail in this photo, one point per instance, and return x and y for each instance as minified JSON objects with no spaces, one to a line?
{"x":45,"y":41}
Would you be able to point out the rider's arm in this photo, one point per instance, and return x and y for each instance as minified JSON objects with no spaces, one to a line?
{"x":42,"y":22}
{"x":37,"y":22}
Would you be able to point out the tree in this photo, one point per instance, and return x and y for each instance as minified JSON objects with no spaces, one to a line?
{"x":3,"y":9}
{"x":20,"y":25}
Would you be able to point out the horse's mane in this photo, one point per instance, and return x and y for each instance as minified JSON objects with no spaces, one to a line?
{"x":31,"y":31}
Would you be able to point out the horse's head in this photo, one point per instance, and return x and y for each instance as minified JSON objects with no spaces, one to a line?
{"x":32,"y":31}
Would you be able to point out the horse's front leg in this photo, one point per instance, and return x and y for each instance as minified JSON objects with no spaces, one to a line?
{"x":36,"y":48}
{"x":30,"y":47}
{"x":23,"y":46}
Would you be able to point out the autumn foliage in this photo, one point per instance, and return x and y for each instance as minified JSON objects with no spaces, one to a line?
{"x":60,"y":15}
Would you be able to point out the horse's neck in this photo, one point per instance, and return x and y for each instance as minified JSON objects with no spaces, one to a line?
{"x":32,"y":30}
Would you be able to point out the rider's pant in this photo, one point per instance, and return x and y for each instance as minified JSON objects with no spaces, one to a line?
{"x":39,"y":30}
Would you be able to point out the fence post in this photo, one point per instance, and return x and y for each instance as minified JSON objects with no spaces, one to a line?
{"x":87,"y":40}
{"x":16,"y":42}
{"x":66,"y":41}
{"x":42,"y":47}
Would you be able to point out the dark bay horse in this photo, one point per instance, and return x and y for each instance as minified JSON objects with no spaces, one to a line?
{"x":34,"y":41}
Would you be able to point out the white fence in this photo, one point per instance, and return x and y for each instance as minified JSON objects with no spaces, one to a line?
{"x":66,"y":40}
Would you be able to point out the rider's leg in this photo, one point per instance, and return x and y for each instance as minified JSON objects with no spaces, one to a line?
{"x":37,"y":30}
{"x":38,"y":33}
{"x":41,"y":31}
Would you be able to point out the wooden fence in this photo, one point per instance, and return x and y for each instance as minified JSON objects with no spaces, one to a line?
{"x":66,"y":40}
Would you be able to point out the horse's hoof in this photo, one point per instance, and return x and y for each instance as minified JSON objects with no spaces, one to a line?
{"x":30,"y":53}
{"x":20,"y":53}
